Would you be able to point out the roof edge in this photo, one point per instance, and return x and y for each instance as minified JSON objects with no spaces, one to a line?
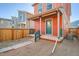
{"x":34,"y":4}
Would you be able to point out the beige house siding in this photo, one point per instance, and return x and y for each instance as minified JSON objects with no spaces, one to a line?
{"x":5,"y":23}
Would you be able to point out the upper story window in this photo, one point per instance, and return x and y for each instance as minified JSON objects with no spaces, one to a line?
{"x":49,"y":6}
{"x":21,"y":16}
{"x":40,"y":8}
{"x":24,"y":18}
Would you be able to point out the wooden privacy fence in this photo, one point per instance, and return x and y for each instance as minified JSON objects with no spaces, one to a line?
{"x":72,"y":30}
{"x":12,"y":34}
{"x":75,"y":31}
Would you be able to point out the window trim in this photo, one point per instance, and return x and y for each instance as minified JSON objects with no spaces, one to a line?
{"x":41,"y":8}
{"x":49,"y":9}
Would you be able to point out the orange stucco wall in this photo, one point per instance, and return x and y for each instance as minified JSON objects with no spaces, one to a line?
{"x":36,"y":9}
{"x":54,"y":25}
{"x":44,"y":7}
{"x":43,"y":27}
{"x":37,"y":25}
{"x":67,"y":7}
{"x":56,"y":5}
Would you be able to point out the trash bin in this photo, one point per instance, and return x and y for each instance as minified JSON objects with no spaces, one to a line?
{"x":37,"y":36}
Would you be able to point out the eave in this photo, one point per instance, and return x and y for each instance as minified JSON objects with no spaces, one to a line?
{"x":45,"y":14}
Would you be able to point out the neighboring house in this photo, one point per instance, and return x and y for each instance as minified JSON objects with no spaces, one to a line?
{"x":75,"y":24}
{"x":23,"y":21}
{"x":51,"y":18}
{"x":5,"y":23}
{"x":74,"y":28}
{"x":14,"y":22}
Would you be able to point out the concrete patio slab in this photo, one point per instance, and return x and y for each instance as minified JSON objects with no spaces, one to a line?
{"x":67,"y":48}
{"x":44,"y":48}
{"x":39,"y":48}
{"x":14,"y":44}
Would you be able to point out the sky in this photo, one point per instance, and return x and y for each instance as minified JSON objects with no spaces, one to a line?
{"x":11,"y":9}
{"x":74,"y":12}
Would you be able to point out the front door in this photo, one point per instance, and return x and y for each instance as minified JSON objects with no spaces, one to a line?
{"x":48,"y":27}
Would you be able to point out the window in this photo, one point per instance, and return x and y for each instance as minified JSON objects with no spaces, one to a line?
{"x":24,"y":17}
{"x":20,"y":16}
{"x":49,"y":6}
{"x":40,"y":8}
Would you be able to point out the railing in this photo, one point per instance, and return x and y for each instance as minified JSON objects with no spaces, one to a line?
{"x":37,"y":35}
